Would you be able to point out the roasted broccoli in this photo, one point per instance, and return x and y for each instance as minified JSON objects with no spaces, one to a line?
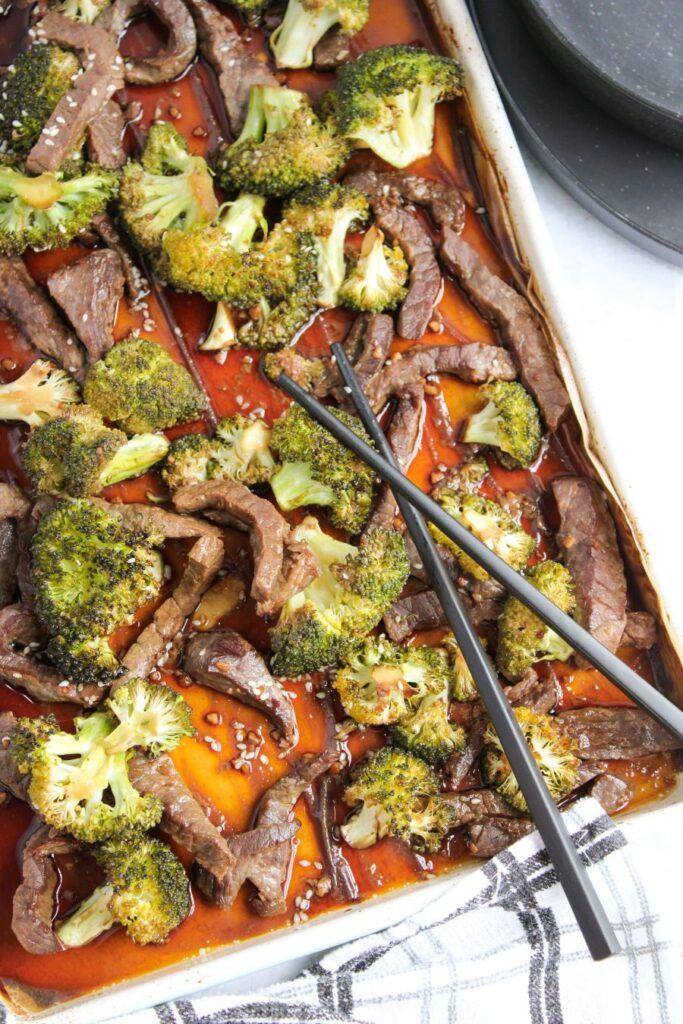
{"x":250,"y":9}
{"x":169,"y":189}
{"x":30,"y":91}
{"x":239,"y":450}
{"x":399,"y":797}
{"x":150,"y":715}
{"x":140,"y":388}
{"x":274,"y":326}
{"x":76,"y":454}
{"x":356,"y":586}
{"x":386,"y":100}
{"x":555,"y":753}
{"x":76,"y":786}
{"x":377,"y":281}
{"x":427,"y":733}
{"x":491,"y":524}
{"x":306,"y":372}
{"x":509,"y":422}
{"x":42,"y":391}
{"x":187,"y":461}
{"x":316,"y":469}
{"x":462,"y":686}
{"x":83,"y":10}
{"x":380,"y":683}
{"x":522,"y":637}
{"x":47,"y":211}
{"x":328,"y":211}
{"x":305,"y":23}
{"x":90,"y":575}
{"x":283,"y":146}
{"x":145,"y":889}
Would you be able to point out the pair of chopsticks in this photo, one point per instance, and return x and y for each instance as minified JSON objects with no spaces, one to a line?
{"x":413,"y":505}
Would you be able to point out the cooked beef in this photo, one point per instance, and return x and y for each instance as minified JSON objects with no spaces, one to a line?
{"x":153,"y":519}
{"x":333,"y":50}
{"x":423,"y":610}
{"x":539,"y":694}
{"x":445,"y":205}
{"x":343,"y":885}
{"x":513,"y":316}
{"x":105,"y":137}
{"x":588,"y":546}
{"x":404,"y":438}
{"x":204,"y":559}
{"x":478,"y":804}
{"x":226,"y":662}
{"x":36,"y":317}
{"x":13,"y":506}
{"x":107,"y":229}
{"x":472,"y":362}
{"x":89,"y":291}
{"x":256,"y":858}
{"x":269,"y":535}
{"x":640,"y":631}
{"x":611,"y":792}
{"x":11,"y":779}
{"x":176,"y":54}
{"x":19,"y":636}
{"x":367,"y":345}
{"x":13,"y":503}
{"x":33,"y":905}
{"x":236,"y":68}
{"x":606,"y":733}
{"x":101,"y":77}
{"x":487,"y":838}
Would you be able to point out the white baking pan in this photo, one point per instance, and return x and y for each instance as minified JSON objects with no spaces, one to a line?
{"x":512,"y":207}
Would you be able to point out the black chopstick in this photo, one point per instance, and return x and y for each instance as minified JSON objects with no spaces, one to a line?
{"x":589,"y":913}
{"x":640,"y":691}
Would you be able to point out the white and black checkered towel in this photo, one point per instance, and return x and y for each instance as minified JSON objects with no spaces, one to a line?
{"x":501,"y":946}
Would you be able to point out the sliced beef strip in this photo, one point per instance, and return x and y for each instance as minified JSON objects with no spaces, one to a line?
{"x":104,"y":137}
{"x":226,"y":662}
{"x":13,"y":502}
{"x":540,"y":694}
{"x":513,"y":316}
{"x":404,"y":438}
{"x":33,"y":904}
{"x":236,"y":68}
{"x":343,"y":885}
{"x":333,"y":50}
{"x":204,"y":559}
{"x":152,"y":519}
{"x":611,"y":792}
{"x":177,"y":53}
{"x":477,"y":804}
{"x":367,"y":345}
{"x":588,"y":545}
{"x":488,"y":837}
{"x":89,"y":291}
{"x":473,"y":362}
{"x":11,"y":779}
{"x":640,"y":631}
{"x":19,"y":630}
{"x":13,"y":506}
{"x":619,"y":733}
{"x":36,"y":317}
{"x":136,"y":285}
{"x":446,"y":205}
{"x":423,"y":610}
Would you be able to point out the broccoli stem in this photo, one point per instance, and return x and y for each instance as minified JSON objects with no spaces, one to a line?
{"x":412,"y":129}
{"x":134,"y":458}
{"x":270,"y":109}
{"x":222,"y":333}
{"x":294,"y":485}
{"x":90,"y":919}
{"x":293,"y":41}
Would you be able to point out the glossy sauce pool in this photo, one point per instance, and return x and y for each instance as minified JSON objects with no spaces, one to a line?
{"x":237,"y":385}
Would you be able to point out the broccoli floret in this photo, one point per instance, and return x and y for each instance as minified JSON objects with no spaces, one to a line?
{"x":377,"y":281}
{"x":283,"y":146}
{"x":462,"y":686}
{"x":77,"y":787}
{"x":509,"y":422}
{"x":491,"y":524}
{"x":387,"y":97}
{"x":356,"y":586}
{"x":85,"y":661}
{"x":523,"y":638}
{"x":46,"y":212}
{"x":306,"y":372}
{"x":141,"y":388}
{"x":306,"y":22}
{"x":381,"y":683}
{"x":30,"y":91}
{"x":251,"y":9}
{"x":240,"y":450}
{"x":187,"y":461}
{"x":83,"y":10}
{"x":42,"y":391}
{"x":318,"y":470}
{"x":145,"y":889}
{"x":328,"y":211}
{"x":91,"y":574}
{"x":75,"y":454}
{"x":400,"y":797}
{"x":274,"y":327}
{"x":427,"y":733}
{"x":169,"y":189}
{"x":150,"y":715}
{"x":555,"y":753}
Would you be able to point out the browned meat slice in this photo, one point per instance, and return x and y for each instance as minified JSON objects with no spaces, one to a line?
{"x":462,"y":762}
{"x":13,"y":502}
{"x":539,"y":694}
{"x":611,"y":792}
{"x":106,"y":228}
{"x":404,"y":438}
{"x":415,"y":612}
{"x":203,"y":562}
{"x":472,"y":362}
{"x":517,"y":322}
{"x":36,"y":317}
{"x":343,"y":885}
{"x":178,"y":50}
{"x":236,"y":68}
{"x":89,"y":291}
{"x":11,"y":779}
{"x":640,"y":631}
{"x":445,"y":205}
{"x":269,"y":535}
{"x":13,"y":505}
{"x":478,"y":804}
{"x":226,"y":662}
{"x":19,"y":635}
{"x":487,"y":838}
{"x":33,"y":905}
{"x":605,"y":733}
{"x":153,"y":519}
{"x":333,"y":50}
{"x":588,"y":546}
{"x":102,"y":75}
{"x":105,"y":137}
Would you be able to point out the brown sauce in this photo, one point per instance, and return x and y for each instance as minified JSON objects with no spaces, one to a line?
{"x":237,"y":385}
